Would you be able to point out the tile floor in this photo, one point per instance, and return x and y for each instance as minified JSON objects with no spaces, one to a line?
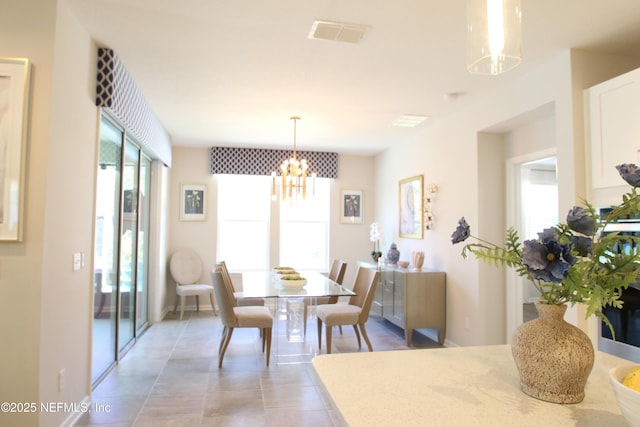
{"x":171,"y":378}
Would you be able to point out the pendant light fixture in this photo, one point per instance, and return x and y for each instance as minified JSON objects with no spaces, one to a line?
{"x":494,"y":36}
{"x":293,"y":174}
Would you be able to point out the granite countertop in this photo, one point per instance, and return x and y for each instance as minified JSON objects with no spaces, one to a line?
{"x":458,"y":386}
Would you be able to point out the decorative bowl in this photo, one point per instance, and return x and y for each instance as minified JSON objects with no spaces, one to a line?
{"x":403,"y":264}
{"x":292,"y":282}
{"x":627,"y":398}
{"x":282,"y":271}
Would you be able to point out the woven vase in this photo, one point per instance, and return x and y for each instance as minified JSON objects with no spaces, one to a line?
{"x":553,"y":357}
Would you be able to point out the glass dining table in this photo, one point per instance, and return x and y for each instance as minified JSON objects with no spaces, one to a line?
{"x":291,"y":343}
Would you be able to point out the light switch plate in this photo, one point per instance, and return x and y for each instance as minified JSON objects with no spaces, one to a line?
{"x":77,"y":261}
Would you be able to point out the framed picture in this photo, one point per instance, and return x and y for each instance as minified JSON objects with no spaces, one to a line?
{"x":193,"y":202}
{"x":14,"y":96}
{"x":351,"y":206}
{"x":410,"y":207}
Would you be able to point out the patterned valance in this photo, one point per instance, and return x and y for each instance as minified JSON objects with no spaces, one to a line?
{"x":117,"y":91}
{"x":255,"y":161}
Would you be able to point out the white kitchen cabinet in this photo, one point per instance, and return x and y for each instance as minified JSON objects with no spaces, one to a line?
{"x":613,"y":127}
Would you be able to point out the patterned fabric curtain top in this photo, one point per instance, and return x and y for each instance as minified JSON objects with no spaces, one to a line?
{"x":117,"y":91}
{"x":255,"y":161}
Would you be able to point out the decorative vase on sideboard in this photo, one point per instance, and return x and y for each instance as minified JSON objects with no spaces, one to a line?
{"x":553,"y":357}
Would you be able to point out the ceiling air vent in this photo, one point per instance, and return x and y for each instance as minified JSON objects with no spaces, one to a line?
{"x":337,"y":31}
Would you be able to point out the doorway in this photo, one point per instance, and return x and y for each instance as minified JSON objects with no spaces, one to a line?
{"x":120,"y":247}
{"x":532,"y":206}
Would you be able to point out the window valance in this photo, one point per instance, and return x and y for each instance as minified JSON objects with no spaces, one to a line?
{"x":117,"y":91}
{"x":256,"y":161}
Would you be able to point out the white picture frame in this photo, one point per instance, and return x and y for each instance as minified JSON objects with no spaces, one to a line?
{"x":14,"y":104}
{"x":193,"y":202}
{"x":351,"y":207}
{"x":410,"y":207}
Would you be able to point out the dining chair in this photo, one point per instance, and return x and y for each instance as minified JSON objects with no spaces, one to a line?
{"x":241,"y":300}
{"x":338,"y":268}
{"x":234,"y":316}
{"x":355,"y":313}
{"x":186,"y":268}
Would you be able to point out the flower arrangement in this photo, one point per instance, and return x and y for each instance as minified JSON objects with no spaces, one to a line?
{"x":572,"y":262}
{"x":375,"y":232}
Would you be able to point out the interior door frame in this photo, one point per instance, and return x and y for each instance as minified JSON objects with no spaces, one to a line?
{"x":515,"y":284}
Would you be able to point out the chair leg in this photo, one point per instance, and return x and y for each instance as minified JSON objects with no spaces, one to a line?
{"x":197,"y":302}
{"x":182,"y":298}
{"x":329,"y":333}
{"x":213,"y":304}
{"x":175,"y":307}
{"x":267,"y":332}
{"x":223,"y":337}
{"x":366,"y":338}
{"x":340,"y":327}
{"x":355,"y":328}
{"x":306,"y":312}
{"x":319,"y":334}
{"x":264,"y":338}
{"x":224,"y":347}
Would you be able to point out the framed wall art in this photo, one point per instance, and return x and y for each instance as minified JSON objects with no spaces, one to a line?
{"x":410,"y":207}
{"x":351,"y":207}
{"x":193,"y":202}
{"x":14,"y":97}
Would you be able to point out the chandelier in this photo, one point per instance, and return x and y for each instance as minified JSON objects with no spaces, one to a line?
{"x":494,"y":35}
{"x":293,"y":174}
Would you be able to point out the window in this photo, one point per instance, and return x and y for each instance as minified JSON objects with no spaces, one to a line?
{"x":304,"y":230}
{"x":256,"y":233}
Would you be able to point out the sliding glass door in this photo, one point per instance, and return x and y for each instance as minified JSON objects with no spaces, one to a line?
{"x":142,"y":282}
{"x":121,"y":246}
{"x":106,"y":248}
{"x":128,"y":244}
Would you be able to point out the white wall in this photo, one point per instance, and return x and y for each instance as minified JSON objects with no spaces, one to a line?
{"x":24,"y":33}
{"x":67,"y":296}
{"x":44,"y":306}
{"x":46,"y":309}
{"x":349,"y":242}
{"x":452,"y":152}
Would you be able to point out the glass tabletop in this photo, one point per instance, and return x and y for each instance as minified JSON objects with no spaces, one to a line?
{"x":264,"y":284}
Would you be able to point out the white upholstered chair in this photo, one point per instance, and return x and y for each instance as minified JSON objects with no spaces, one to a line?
{"x":355,"y":313}
{"x":186,"y":268}
{"x":234,"y":316}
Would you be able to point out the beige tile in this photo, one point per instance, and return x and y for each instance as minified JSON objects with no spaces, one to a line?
{"x":234,"y":402}
{"x":171,"y":378}
{"x":293,"y":396}
{"x":172,"y":407}
{"x":280,"y":417}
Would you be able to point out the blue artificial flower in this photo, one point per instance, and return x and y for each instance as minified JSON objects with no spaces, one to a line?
{"x":462,"y":232}
{"x":583,"y":245}
{"x":630,"y":173}
{"x":546,"y":259}
{"x":580,"y":220}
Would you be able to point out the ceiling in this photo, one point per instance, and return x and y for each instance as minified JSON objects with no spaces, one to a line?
{"x":232,"y":72}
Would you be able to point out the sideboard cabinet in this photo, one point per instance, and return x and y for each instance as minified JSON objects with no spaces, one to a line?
{"x":412,"y":300}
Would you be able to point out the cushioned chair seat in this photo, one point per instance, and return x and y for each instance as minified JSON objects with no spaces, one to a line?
{"x":191,"y":290}
{"x":253,"y":317}
{"x":339,"y":314}
{"x":239,"y":296}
